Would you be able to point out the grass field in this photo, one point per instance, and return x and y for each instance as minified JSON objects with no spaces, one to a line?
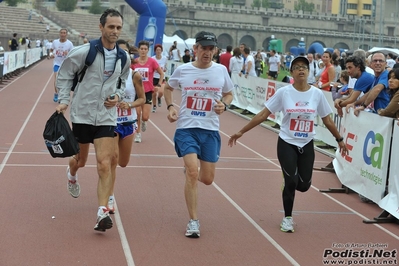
{"x":280,"y":77}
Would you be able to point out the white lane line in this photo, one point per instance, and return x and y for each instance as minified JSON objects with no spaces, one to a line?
{"x":118,"y":220}
{"x":266,"y":235}
{"x":14,"y":80}
{"x":325,"y":194}
{"x":122,"y":236}
{"x":14,"y":143}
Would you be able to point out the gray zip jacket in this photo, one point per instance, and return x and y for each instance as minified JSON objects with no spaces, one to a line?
{"x":89,"y":96}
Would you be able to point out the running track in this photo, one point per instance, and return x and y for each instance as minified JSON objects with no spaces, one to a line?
{"x":239,"y":214}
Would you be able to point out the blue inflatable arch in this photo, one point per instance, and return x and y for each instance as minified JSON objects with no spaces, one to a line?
{"x":151,"y":24}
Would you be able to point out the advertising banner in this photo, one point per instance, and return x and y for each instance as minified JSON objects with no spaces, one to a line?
{"x":390,"y":202}
{"x":365,"y":168}
{"x":151,"y":23}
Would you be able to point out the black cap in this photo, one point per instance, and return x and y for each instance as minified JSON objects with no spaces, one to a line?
{"x":206,"y":38}
{"x":299,"y":58}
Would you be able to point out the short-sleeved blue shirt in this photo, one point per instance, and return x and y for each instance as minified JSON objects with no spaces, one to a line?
{"x":382,"y":100}
{"x":364,"y":82}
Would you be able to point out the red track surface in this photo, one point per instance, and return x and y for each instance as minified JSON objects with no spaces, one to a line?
{"x":239,"y":214}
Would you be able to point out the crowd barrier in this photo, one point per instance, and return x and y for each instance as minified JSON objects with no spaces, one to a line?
{"x":369,"y":169}
{"x":14,"y":60}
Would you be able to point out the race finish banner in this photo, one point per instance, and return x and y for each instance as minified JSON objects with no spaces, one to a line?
{"x":390,"y":202}
{"x":364,"y":170}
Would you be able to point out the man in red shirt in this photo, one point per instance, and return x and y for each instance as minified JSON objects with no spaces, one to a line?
{"x":225,"y":57}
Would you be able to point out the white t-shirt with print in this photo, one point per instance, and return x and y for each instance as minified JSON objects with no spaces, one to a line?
{"x":273,"y":63}
{"x":61,"y":50}
{"x":130,"y":94}
{"x":200,"y":90}
{"x":299,"y":111}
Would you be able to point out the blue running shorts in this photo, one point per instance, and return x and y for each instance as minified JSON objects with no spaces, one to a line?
{"x":205,"y":143}
{"x":125,"y":131}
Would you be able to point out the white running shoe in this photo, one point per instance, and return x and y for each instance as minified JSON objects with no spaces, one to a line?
{"x":73,"y":186}
{"x":143,"y":126}
{"x":287,"y":225}
{"x":193,"y":229}
{"x":137,"y":138}
{"x":154,"y":108}
{"x":104,"y":221}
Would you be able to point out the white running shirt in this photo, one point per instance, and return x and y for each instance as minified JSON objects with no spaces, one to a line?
{"x":200,"y":90}
{"x":162,"y":63}
{"x":299,"y":112}
{"x":130,"y":94}
{"x":60,"y":51}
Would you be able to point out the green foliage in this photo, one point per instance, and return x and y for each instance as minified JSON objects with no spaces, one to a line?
{"x":261,"y":3}
{"x":66,"y":5}
{"x":96,"y":7}
{"x":304,"y":6}
{"x":14,"y":2}
{"x":37,"y":4}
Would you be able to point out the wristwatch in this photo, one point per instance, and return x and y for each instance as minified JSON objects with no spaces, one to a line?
{"x":226,"y":106}
{"x":130,"y":106}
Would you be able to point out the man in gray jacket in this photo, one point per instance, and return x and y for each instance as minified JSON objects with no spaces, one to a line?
{"x":93,"y":107}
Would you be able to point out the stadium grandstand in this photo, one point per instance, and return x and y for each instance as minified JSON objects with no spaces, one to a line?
{"x":28,"y":22}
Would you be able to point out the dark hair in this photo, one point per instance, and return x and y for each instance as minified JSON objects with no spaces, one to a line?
{"x":158,"y":45}
{"x":237,"y":52}
{"x":229,"y":48}
{"x":357,"y":62}
{"x":335,"y":59}
{"x":146,"y":43}
{"x":329,"y":53}
{"x":246,"y":50}
{"x":120,"y":41}
{"x":395,"y":72}
{"x":109,"y":12}
{"x":14,"y":35}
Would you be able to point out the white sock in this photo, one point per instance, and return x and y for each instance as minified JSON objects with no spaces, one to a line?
{"x":111,"y":198}
{"x":71,"y":177}
{"x":101,"y":210}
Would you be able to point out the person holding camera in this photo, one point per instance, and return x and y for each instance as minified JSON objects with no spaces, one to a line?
{"x":93,"y":108}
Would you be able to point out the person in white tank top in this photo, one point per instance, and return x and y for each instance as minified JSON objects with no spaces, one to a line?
{"x":158,"y":84}
{"x":127,"y":122}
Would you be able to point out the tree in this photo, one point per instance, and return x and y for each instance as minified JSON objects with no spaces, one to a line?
{"x":66,"y":5}
{"x":304,"y":6}
{"x":14,"y":2}
{"x":96,"y":7}
{"x":260,"y":3}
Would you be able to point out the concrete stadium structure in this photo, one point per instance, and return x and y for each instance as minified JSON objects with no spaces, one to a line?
{"x":255,"y":26}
